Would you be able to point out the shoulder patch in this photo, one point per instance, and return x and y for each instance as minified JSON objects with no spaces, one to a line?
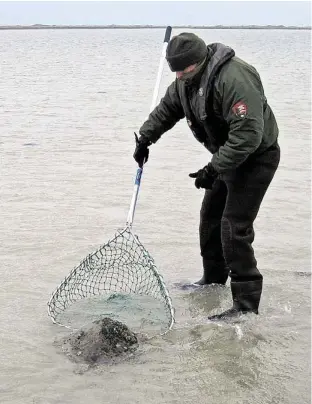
{"x":240,"y":109}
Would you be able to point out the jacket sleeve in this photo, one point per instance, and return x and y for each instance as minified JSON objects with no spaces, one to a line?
{"x":168,"y":112}
{"x":242,"y":101}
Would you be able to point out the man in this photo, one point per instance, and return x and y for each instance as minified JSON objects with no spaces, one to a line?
{"x":223,"y":101}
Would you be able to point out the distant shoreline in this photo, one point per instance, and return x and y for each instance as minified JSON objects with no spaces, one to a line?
{"x":113,"y":26}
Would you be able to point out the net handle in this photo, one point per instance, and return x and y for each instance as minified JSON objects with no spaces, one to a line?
{"x":139,"y":172}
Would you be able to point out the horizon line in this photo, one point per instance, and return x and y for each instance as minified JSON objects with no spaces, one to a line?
{"x":116,"y":26}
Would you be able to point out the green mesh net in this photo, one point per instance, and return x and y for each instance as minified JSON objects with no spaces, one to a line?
{"x":118,"y":280}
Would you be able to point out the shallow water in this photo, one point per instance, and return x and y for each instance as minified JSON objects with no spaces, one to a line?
{"x":69,"y":102}
{"x":143,"y":314}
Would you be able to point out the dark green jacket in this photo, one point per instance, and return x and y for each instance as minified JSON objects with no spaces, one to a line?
{"x":227,"y":110}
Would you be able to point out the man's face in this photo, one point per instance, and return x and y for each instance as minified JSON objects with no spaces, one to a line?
{"x":180,"y":75}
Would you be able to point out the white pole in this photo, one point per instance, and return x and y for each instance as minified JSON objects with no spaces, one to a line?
{"x":153,"y":105}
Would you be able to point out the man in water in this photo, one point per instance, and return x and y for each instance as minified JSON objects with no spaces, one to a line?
{"x":223,"y":101}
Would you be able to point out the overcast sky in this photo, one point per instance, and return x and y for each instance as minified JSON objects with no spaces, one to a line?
{"x":156,"y":12}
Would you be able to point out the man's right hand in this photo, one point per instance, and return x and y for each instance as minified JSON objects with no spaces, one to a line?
{"x":141,"y":152}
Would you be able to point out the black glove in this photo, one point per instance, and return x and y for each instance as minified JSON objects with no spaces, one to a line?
{"x":205,"y":177}
{"x":141,"y":152}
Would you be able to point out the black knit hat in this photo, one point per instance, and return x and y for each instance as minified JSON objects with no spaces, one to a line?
{"x":185,"y":50}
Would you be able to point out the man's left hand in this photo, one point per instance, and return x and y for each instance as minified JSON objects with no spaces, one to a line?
{"x":205,"y":177}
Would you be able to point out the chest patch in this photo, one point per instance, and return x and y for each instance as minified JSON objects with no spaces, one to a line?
{"x":240,"y":109}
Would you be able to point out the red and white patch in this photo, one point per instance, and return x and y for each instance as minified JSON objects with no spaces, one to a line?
{"x":240,"y":109}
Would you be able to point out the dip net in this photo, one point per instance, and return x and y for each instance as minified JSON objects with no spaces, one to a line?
{"x":120,"y":281}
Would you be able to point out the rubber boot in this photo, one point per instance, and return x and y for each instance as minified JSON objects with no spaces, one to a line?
{"x":214,"y":272}
{"x":246,"y":299}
